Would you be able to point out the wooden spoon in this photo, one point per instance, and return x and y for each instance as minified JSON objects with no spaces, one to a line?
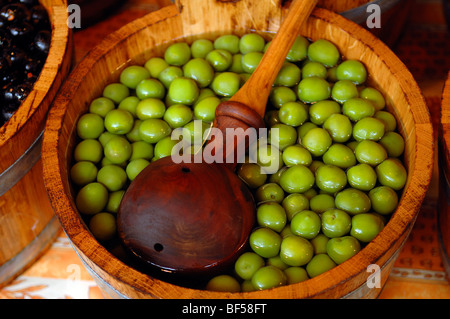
{"x":194,"y":219}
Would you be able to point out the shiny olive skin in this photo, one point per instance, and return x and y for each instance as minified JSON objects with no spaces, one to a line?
{"x":271,"y":215}
{"x":265,"y":242}
{"x":297,"y":178}
{"x":306,"y":224}
{"x":366,"y":226}
{"x":268,"y":277}
{"x":353,"y":201}
{"x":333,"y":187}
{"x":296,"y":251}
{"x":342,"y":248}
{"x":384,"y":199}
{"x":319,"y":264}
{"x":391,"y":172}
{"x":269,"y":192}
{"x":335,"y":223}
{"x":330,"y":178}
{"x":251,"y":174}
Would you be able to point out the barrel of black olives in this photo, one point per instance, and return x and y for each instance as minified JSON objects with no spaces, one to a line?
{"x":35,"y":58}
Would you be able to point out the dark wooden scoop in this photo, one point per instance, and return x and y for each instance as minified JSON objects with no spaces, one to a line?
{"x":195,"y":218}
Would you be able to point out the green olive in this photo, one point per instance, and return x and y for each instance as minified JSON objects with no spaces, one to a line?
{"x":319,"y":264}
{"x":366,"y":226}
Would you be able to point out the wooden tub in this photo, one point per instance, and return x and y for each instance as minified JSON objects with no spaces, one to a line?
{"x":149,"y":36}
{"x":27,"y":222}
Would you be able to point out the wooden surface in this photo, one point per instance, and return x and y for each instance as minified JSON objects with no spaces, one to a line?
{"x":386,"y":71}
{"x":27,"y":220}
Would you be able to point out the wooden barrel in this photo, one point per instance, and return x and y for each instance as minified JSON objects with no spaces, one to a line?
{"x":444,"y":178}
{"x":27,"y":222}
{"x":187,"y":20}
{"x":393,"y":15}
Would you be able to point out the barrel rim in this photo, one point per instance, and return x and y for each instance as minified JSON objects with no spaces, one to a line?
{"x":144,"y":283}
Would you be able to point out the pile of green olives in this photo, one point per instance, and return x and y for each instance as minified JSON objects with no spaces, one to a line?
{"x":340,"y":171}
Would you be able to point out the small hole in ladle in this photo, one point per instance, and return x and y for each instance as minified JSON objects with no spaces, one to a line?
{"x":185,"y":170}
{"x":158,"y":247}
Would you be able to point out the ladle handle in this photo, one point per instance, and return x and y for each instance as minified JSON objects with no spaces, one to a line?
{"x":255,"y":92}
{"x":247,"y":106}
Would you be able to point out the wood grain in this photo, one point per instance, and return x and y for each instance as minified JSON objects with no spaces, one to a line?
{"x":186,"y":21}
{"x":25,"y":211}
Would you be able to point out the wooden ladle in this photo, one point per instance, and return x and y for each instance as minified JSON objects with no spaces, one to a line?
{"x":195,"y":218}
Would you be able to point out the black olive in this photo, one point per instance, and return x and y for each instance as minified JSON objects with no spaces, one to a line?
{"x":21,"y":32}
{"x":4,"y":65}
{"x":32,"y":69}
{"x":13,"y":77}
{"x":5,"y":39}
{"x":15,"y":56}
{"x":33,"y":65}
{"x":4,"y":71}
{"x":8,"y":99}
{"x":25,"y":36}
{"x":42,"y":41}
{"x":22,"y":91}
{"x":14,"y":95}
{"x":6,"y":113}
{"x":5,"y":2}
{"x":3,"y":22}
